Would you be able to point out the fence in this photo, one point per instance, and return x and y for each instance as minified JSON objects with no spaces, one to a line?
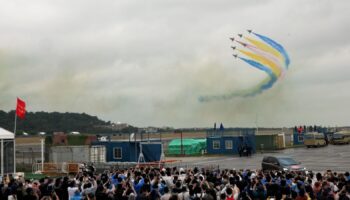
{"x":60,"y":154}
{"x":56,"y":168}
{"x":100,"y":167}
{"x":27,"y":155}
{"x":186,"y":165}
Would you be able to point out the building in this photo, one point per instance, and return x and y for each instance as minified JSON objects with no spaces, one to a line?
{"x":229,"y":141}
{"x":125,"y":151}
{"x":7,"y":156}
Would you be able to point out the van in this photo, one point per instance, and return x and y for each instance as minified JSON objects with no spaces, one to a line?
{"x":341,"y":137}
{"x":314,"y":139}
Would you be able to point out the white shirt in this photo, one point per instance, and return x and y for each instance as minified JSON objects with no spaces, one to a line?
{"x":11,"y":197}
{"x":71,"y":191}
{"x":183,"y":196}
{"x":169,"y":181}
{"x":165,"y":196}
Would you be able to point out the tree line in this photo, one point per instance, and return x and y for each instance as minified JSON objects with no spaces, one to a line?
{"x":50,"y":122}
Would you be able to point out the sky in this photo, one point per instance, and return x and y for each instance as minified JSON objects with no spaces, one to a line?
{"x":146,"y":62}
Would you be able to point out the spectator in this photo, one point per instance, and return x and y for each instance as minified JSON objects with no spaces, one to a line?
{"x":183,"y":184}
{"x":166,"y":194}
{"x":76,"y":196}
{"x":72,"y":188}
{"x":302,"y":195}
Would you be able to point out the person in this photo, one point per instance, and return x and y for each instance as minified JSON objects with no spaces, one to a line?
{"x":30,"y":195}
{"x":249,"y":151}
{"x":245,"y":149}
{"x":259,"y":191}
{"x":240,"y":150}
{"x":196,"y":183}
{"x":76,"y":196}
{"x":91,"y":168}
{"x":229,"y":194}
{"x":155,"y":192}
{"x":72,"y":188}
{"x":166,"y":194}
{"x":12,"y":195}
{"x":91,"y":196}
{"x":302,"y":195}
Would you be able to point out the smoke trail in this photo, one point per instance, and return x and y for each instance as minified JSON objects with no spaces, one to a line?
{"x":276,"y":46}
{"x":261,"y":59}
{"x":265,"y":55}
{"x":263,"y":85}
{"x":265,"y":47}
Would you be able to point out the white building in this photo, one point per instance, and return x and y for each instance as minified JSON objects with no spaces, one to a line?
{"x":7,"y":158}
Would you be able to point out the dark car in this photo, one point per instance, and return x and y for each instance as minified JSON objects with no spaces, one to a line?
{"x":281,"y":164}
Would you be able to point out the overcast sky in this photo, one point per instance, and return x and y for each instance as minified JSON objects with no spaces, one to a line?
{"x":147,"y":62}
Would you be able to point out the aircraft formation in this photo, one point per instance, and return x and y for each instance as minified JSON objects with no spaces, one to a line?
{"x":262,"y":53}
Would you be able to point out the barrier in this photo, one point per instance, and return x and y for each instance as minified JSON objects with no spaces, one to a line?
{"x":56,"y":168}
{"x":159,"y":164}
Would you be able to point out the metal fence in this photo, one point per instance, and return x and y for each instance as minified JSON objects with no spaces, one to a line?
{"x":7,"y":156}
{"x":60,"y":154}
{"x":27,"y":155}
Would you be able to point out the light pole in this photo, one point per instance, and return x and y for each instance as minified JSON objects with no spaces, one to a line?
{"x":42,"y":140}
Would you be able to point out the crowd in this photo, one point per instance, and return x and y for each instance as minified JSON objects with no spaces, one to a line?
{"x":181,"y":184}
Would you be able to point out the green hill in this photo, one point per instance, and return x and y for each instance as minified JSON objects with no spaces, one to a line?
{"x":35,"y":122}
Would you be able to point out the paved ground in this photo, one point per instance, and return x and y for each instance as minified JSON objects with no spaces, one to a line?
{"x":332,"y":157}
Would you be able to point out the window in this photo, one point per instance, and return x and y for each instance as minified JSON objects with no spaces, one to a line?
{"x":98,"y":154}
{"x":287,"y":161}
{"x":273,"y":160}
{"x":117,"y":153}
{"x":309,"y":136}
{"x":216,"y":144}
{"x":228,"y":144}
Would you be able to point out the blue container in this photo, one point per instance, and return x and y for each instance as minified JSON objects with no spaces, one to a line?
{"x":120,"y":151}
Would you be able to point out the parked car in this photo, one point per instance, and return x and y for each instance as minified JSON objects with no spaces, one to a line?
{"x":281,"y":164}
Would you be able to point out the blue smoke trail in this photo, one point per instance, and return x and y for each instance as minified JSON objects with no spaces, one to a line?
{"x":264,"y":85}
{"x":275,"y":45}
{"x":257,"y":65}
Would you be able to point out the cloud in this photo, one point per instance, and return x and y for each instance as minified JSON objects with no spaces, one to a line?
{"x":146,"y":63}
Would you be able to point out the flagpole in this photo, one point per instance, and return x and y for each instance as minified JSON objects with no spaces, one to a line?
{"x":14,"y":131}
{"x":14,"y":144}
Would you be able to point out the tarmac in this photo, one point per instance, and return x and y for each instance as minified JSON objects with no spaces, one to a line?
{"x":333,"y":157}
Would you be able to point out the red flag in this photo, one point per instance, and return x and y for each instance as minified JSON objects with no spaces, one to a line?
{"x":21,"y":108}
